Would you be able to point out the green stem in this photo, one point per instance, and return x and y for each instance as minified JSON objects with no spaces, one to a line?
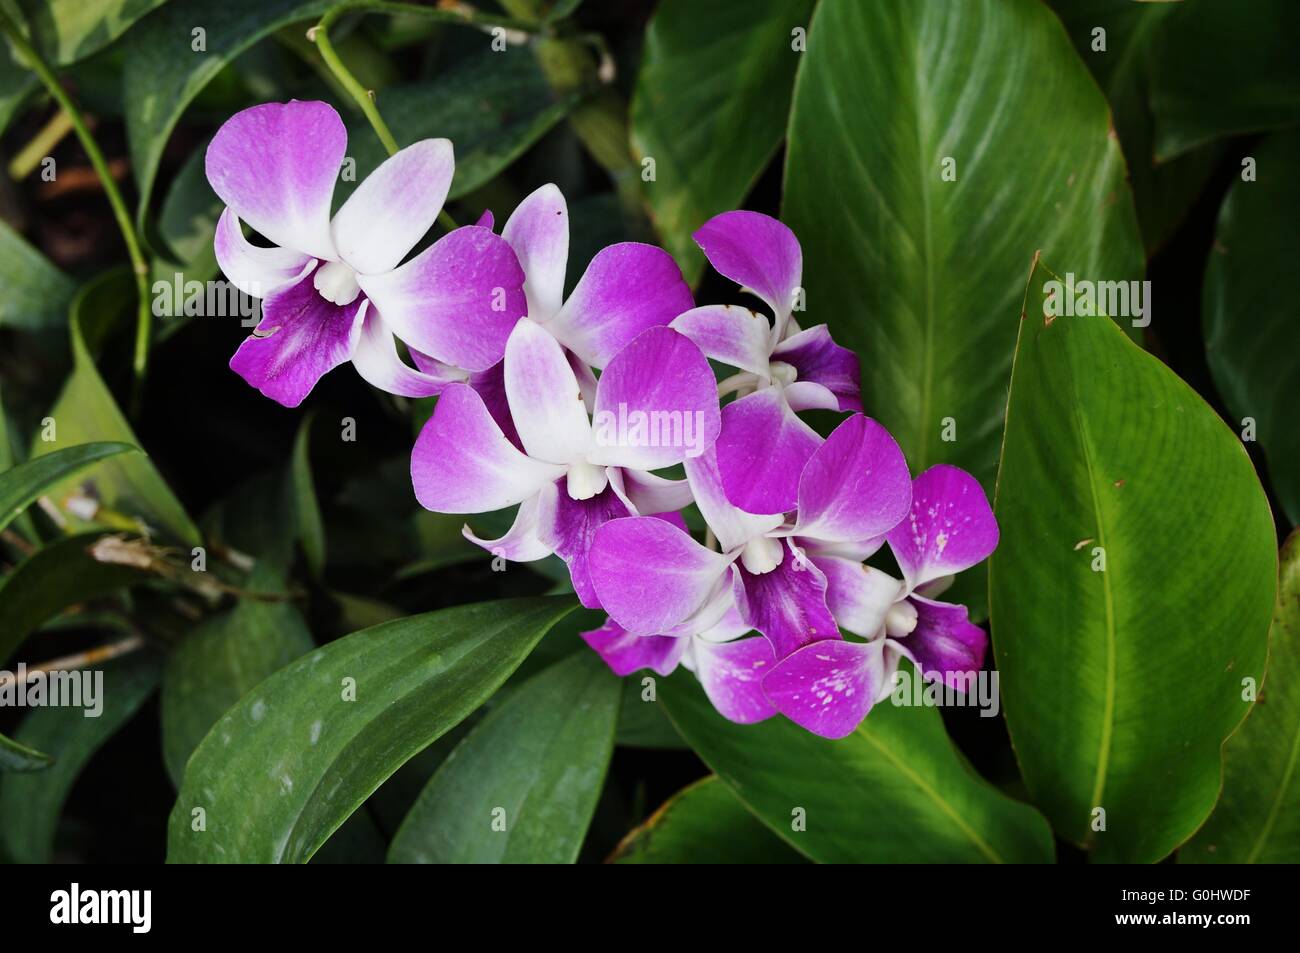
{"x":364,"y":97}
{"x":139,"y":264}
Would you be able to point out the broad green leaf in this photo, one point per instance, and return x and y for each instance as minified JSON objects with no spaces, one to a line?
{"x":1257,"y":819}
{"x":50,"y":580}
{"x":130,"y":487}
{"x":187,"y":224}
{"x":68,"y":30}
{"x":310,"y":527}
{"x":15,"y":757}
{"x":704,"y":823}
{"x":522,"y":786}
{"x":30,"y":803}
{"x":1131,"y":591}
{"x":287,"y":765}
{"x":225,"y":657}
{"x":1223,"y":70}
{"x":36,"y":294}
{"x":894,"y":791}
{"x":16,"y":84}
{"x":21,"y":485}
{"x":1250,"y":317}
{"x":643,"y":724}
{"x":922,"y":276}
{"x":1122,"y":60}
{"x":710,"y":108}
{"x":162,"y":72}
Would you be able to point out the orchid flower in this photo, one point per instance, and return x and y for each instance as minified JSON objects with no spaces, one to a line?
{"x":334,"y":289}
{"x":651,"y":577}
{"x":829,"y":688}
{"x":764,"y":445}
{"x":572,"y":473}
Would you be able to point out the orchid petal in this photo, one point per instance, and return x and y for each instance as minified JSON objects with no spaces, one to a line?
{"x":945,"y":644}
{"x":538,"y":231}
{"x":757,"y":252}
{"x":828,"y":687}
{"x":855,"y":485}
{"x":649,"y":493}
{"x":544,"y":398}
{"x":626,"y":289}
{"x":491,"y":386}
{"x":300,"y":338}
{"x":521,"y":543}
{"x":787,"y":604}
{"x":626,"y":653}
{"x":486,"y":220}
{"x":663,"y":380}
{"x":568,"y":526}
{"x":462,"y":463}
{"x":393,"y":208}
{"x":275,"y":166}
{"x":819,"y":360}
{"x":377,"y":361}
{"x":762,"y":450}
{"x":732,"y":526}
{"x":649,"y":575}
{"x":457,"y":300}
{"x":731,"y":674}
{"x":807,"y":395}
{"x":949,"y":527}
{"x":254,"y":270}
{"x":858,"y":596}
{"x":730,"y":334}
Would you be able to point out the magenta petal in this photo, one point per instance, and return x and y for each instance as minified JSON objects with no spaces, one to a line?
{"x":522,"y":542}
{"x":730,"y":334}
{"x":949,"y":527}
{"x":649,"y":575}
{"x":945,"y":644}
{"x":275,"y":166}
{"x":462,"y":463}
{"x":788,"y":604}
{"x":538,"y":231}
{"x":731,"y":674}
{"x":732,"y":526}
{"x":626,"y":653}
{"x":828,"y":687}
{"x":662,"y":382}
{"x":858,"y":596}
{"x":819,"y":360}
{"x":457,"y":300}
{"x":757,"y":252}
{"x":252,"y":269}
{"x":568,"y":526}
{"x":300,"y":338}
{"x":377,"y":361}
{"x":855,"y":486}
{"x":486,"y":220}
{"x":626,"y":289}
{"x":762,"y":450}
{"x":491,"y":386}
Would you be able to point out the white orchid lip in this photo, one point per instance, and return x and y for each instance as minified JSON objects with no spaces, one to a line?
{"x":585,"y":480}
{"x":901,"y":619}
{"x":762,"y":554}
{"x":336,"y":282}
{"x":782,"y":373}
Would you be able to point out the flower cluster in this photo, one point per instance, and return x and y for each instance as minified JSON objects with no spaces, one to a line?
{"x":568,"y":408}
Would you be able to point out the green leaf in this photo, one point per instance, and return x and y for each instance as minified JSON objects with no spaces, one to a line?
{"x":21,"y":485}
{"x":162,"y":73}
{"x":51,"y":579}
{"x":65,"y":31}
{"x":36,"y":294}
{"x":1131,"y":592}
{"x":1223,"y":71}
{"x":643,"y":724}
{"x":1123,"y":68}
{"x":15,"y":757}
{"x":285,"y":767}
{"x":310,"y":526}
{"x":894,"y":791}
{"x":131,"y":486}
{"x":1249,"y":315}
{"x":1257,"y":820}
{"x":921,"y":276}
{"x":30,"y":804}
{"x":221,"y":660}
{"x":710,"y":108}
{"x":704,"y":823}
{"x":522,"y":787}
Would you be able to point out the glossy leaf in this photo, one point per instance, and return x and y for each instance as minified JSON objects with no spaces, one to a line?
{"x":21,"y":485}
{"x":15,"y":757}
{"x":522,"y":786}
{"x":307,"y":518}
{"x":710,"y":108}
{"x":30,"y":803}
{"x":1249,"y":314}
{"x":704,"y":823}
{"x":36,"y":294}
{"x":287,"y":765}
{"x":222,"y":659}
{"x":68,"y":30}
{"x":1257,"y":820}
{"x":894,"y":791}
{"x":1131,"y":591}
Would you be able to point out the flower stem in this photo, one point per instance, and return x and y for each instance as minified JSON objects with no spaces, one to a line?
{"x":139,"y":264}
